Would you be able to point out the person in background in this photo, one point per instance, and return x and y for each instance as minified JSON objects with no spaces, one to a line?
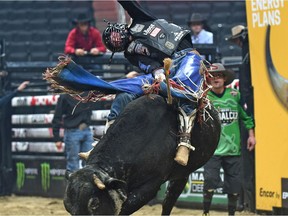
{"x":84,"y":39}
{"x":227,"y":154}
{"x":6,"y":98}
{"x":199,"y":34}
{"x":239,"y":35}
{"x":77,"y":134}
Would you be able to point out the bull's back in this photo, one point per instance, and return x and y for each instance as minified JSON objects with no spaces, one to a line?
{"x":142,"y":140}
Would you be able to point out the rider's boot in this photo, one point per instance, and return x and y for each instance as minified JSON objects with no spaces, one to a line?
{"x":184,"y":146}
{"x":108,"y":124}
{"x":85,"y":155}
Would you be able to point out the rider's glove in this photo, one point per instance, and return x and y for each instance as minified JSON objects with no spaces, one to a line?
{"x":159,"y":74}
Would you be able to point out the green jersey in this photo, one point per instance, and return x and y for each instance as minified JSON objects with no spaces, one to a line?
{"x":230,"y":112}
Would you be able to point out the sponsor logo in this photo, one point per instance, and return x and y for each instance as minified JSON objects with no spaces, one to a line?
{"x":175,"y":34}
{"x":162,"y":36}
{"x":234,"y":93}
{"x":45,"y":176}
{"x":284,"y":195}
{"x":284,"y":192}
{"x":227,"y":116}
{"x":266,"y":193}
{"x":169,"y":45}
{"x":179,"y":36}
{"x":20,"y":168}
{"x":21,"y":101}
{"x":131,"y":47}
{"x":57,"y":174}
{"x":141,"y":49}
{"x":155,"y":32}
{"x":149,"y":29}
{"x":195,"y":184}
{"x":137,"y":28}
{"x":24,"y":173}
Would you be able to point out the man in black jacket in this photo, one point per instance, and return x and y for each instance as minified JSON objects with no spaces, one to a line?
{"x":146,"y":42}
{"x":77,"y":134}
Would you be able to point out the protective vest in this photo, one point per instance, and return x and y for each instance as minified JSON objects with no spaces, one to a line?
{"x":158,"y":34}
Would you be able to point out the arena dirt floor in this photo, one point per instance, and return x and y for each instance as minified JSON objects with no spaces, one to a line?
{"x":22,"y":205}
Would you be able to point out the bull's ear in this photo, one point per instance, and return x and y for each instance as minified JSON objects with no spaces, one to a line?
{"x":114,"y":183}
{"x":119,"y":186}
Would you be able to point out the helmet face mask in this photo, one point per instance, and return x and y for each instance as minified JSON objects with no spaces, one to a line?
{"x":116,"y":37}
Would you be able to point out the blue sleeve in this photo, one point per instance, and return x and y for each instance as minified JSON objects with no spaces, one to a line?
{"x":5,"y":99}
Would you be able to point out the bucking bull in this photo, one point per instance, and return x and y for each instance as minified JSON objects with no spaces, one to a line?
{"x":135,"y":157}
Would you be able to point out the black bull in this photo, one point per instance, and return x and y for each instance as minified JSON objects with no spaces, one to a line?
{"x":135,"y":157}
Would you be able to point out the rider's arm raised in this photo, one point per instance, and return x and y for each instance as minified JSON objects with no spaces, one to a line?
{"x":135,"y":11}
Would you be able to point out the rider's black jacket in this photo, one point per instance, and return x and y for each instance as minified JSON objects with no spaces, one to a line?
{"x":152,"y":39}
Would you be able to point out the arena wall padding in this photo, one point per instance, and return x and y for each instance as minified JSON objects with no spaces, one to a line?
{"x":39,"y":175}
{"x":193,"y":192}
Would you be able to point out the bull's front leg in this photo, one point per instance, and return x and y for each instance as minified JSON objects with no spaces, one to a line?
{"x":174,"y":190}
{"x":140,"y":196}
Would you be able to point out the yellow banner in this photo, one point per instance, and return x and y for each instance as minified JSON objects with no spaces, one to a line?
{"x":269,"y":68}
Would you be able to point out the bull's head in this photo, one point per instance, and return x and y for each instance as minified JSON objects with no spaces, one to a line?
{"x":91,"y":192}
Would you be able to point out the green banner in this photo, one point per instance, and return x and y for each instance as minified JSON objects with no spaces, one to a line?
{"x":193,"y":191}
{"x":20,"y":169}
{"x":45,"y":176}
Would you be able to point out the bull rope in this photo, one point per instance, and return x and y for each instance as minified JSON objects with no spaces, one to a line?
{"x":167,"y":66}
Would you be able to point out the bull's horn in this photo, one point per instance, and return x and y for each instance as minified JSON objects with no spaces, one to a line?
{"x":98,"y":182}
{"x":84,"y":155}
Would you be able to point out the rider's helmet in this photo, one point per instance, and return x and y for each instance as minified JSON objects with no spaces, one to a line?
{"x":116,"y":37}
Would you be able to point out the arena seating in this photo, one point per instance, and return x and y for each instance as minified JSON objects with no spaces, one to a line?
{"x":37,"y":30}
{"x":220,"y":15}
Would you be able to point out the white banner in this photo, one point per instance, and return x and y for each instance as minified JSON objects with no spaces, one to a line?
{"x":97,"y":115}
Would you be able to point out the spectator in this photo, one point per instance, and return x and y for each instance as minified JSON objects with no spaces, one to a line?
{"x":239,"y":34}
{"x":77,"y":134}
{"x":199,"y":34}
{"x":227,"y":154}
{"x":84,"y":39}
{"x":5,"y":99}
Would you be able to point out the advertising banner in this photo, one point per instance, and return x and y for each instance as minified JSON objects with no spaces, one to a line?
{"x":45,"y":100}
{"x":193,"y":191}
{"x":39,"y":176}
{"x":97,"y":115}
{"x":40,"y":147}
{"x":267,"y":30}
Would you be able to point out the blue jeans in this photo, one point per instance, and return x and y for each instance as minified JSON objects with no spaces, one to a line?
{"x":76,"y":141}
{"x":185,"y":68}
{"x":122,"y":99}
{"x":119,"y":103}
